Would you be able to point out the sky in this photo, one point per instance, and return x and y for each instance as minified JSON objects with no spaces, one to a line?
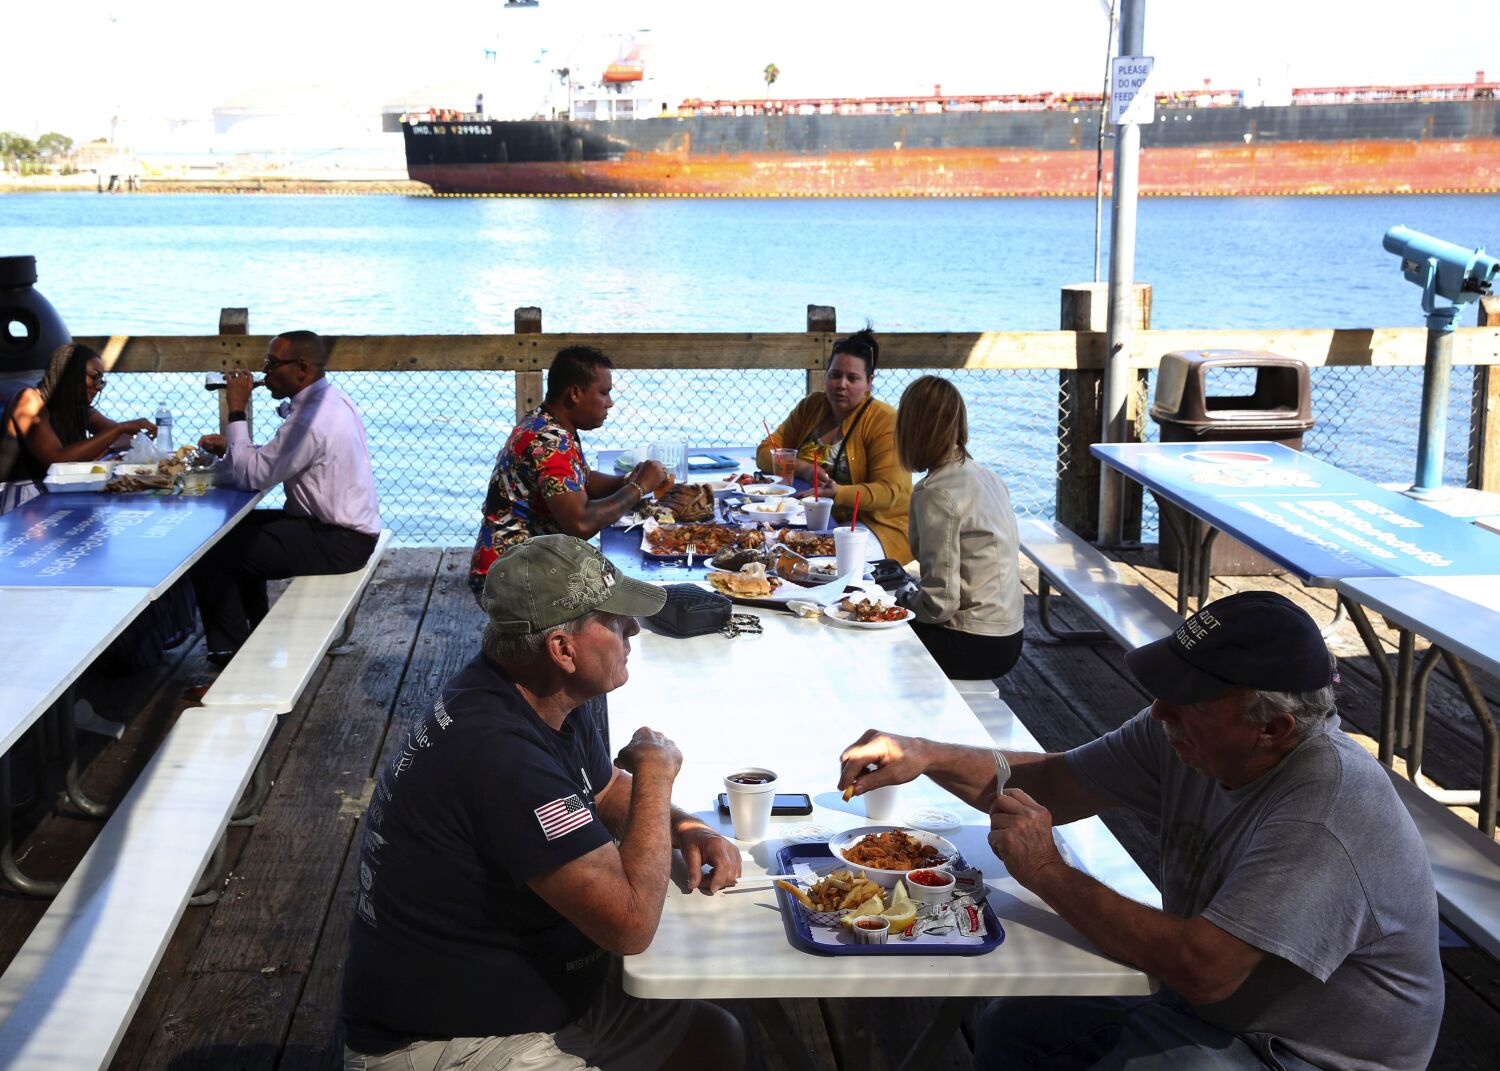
{"x":70,"y":66}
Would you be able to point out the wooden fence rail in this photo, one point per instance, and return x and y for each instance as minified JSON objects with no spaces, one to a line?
{"x":1061,"y":350}
{"x":1077,"y":355}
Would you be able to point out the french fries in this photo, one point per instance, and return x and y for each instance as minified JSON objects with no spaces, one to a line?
{"x":839,"y":890}
{"x":798,"y":893}
{"x":849,"y":792}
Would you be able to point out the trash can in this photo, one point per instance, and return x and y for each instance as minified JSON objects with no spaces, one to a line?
{"x":1278,"y":409}
{"x":30,"y":328}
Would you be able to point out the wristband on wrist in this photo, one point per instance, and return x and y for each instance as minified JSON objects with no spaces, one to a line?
{"x":237,"y":414}
{"x":640,"y":492}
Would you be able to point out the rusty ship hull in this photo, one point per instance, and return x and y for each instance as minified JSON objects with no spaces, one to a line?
{"x":1350,"y":148}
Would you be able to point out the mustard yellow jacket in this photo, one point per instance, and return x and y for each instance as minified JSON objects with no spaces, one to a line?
{"x":884,"y":486}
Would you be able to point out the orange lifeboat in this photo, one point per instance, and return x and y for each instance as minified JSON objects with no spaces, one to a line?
{"x":617,"y":73}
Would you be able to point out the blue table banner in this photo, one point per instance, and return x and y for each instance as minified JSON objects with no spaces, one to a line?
{"x":1318,"y":521}
{"x":105,"y":540}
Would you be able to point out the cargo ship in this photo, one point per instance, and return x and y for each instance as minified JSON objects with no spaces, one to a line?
{"x":1332,"y":140}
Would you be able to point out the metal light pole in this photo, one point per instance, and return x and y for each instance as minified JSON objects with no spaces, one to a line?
{"x":1118,"y":381}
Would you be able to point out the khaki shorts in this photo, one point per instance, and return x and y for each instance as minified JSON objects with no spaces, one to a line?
{"x":619,"y":1033}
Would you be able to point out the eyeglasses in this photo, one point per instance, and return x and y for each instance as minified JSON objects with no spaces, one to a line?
{"x":97,"y":382}
{"x":271,"y":362}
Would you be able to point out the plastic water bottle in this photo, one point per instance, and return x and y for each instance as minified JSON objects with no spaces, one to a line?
{"x":164,"y":429}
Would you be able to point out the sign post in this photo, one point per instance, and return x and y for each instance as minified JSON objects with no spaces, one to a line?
{"x":1125,"y":75}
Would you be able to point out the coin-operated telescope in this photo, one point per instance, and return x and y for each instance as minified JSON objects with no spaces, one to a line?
{"x":1458,"y":276}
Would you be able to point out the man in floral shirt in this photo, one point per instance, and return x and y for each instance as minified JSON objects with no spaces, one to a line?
{"x":541,"y":483}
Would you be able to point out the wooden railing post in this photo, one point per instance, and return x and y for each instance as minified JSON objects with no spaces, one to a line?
{"x":1484,"y":421}
{"x":529,"y":382}
{"x":1085,"y":308}
{"x":821,"y":319}
{"x":235,"y":322}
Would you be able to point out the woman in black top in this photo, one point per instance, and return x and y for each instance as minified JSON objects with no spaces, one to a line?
{"x":56,"y":421}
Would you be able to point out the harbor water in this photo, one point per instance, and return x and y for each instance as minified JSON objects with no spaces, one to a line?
{"x":166,"y":264}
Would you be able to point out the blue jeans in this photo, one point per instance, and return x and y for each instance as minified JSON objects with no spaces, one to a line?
{"x":1117,"y":1034}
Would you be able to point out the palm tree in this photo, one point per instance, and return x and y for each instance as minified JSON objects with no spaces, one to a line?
{"x":772,"y":73}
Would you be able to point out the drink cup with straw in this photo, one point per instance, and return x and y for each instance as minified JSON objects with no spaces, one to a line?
{"x":849,"y":545}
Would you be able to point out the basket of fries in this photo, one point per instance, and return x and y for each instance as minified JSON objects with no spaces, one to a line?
{"x":833,"y":896}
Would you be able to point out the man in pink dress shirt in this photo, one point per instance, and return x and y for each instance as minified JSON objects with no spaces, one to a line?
{"x":331,"y":520}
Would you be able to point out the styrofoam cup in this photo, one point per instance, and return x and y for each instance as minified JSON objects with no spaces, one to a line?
{"x":750,"y":805}
{"x":882,"y":804}
{"x":849,"y":548}
{"x":819,"y":513}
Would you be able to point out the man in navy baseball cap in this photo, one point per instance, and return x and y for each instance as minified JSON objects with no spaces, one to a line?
{"x":1298,"y":919}
{"x":1254,"y":639}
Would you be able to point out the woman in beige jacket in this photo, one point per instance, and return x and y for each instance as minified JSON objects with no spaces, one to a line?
{"x":963,"y":534}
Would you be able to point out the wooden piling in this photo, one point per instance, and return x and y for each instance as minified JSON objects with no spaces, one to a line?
{"x":529,"y":381}
{"x":234,"y":322}
{"x":821,"y":319}
{"x":1085,"y":309}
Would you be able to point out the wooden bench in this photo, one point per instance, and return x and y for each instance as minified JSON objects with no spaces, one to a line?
{"x":314,"y":616}
{"x":1125,"y":612}
{"x":70,"y":992}
{"x":1465,"y":866}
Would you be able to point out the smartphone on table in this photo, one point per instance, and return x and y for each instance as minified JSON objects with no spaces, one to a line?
{"x":785,"y":804}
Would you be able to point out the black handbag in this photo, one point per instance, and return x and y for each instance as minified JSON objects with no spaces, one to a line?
{"x":692,"y":611}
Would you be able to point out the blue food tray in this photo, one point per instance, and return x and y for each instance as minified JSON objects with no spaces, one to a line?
{"x":714,"y":462}
{"x":799,"y":930}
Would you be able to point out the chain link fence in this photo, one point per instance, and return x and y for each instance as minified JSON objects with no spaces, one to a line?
{"x":434,"y":435}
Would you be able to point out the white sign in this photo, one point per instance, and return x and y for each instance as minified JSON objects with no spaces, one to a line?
{"x":1132,"y":98}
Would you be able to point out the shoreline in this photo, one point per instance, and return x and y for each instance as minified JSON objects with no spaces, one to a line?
{"x":245,"y":185}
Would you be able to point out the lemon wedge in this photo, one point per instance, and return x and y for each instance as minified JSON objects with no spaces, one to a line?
{"x":872,"y":906}
{"x":901,"y":917}
{"x":903,"y":909}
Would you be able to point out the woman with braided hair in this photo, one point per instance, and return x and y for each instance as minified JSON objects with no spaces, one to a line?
{"x":56,"y":421}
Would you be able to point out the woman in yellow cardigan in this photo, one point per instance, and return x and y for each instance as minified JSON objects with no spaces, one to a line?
{"x":851,"y":437}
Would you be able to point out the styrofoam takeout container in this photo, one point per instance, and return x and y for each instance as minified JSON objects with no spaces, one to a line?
{"x":65,"y":477}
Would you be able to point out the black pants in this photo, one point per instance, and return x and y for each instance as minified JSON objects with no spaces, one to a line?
{"x":269,"y":544}
{"x":965,"y":656}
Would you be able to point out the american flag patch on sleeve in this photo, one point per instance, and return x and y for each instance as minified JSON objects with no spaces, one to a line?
{"x":563,"y":816}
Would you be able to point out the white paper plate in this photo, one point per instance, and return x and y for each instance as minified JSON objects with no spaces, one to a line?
{"x":842,"y":618}
{"x":766,"y":492}
{"x":755,"y":511}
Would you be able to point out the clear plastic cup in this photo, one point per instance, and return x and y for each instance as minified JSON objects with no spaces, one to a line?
{"x":673,"y":458}
{"x":751,"y":791}
{"x":784,"y":464}
{"x":819,"y":513}
{"x":849,"y":550}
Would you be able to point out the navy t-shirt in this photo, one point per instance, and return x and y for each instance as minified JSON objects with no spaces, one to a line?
{"x":447,"y":939}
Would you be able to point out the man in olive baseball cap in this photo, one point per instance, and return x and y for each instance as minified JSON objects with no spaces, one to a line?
{"x":553,"y":579}
{"x":507,"y":864}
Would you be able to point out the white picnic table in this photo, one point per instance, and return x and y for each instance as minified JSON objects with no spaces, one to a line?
{"x":791,"y":700}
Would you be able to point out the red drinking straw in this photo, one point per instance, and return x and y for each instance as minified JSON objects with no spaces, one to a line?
{"x":815,"y":481}
{"x":856,"y":510}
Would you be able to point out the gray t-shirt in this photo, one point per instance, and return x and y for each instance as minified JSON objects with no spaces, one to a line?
{"x":1316,"y":863}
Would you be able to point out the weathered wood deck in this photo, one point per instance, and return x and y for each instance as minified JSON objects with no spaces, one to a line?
{"x":252,"y":982}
